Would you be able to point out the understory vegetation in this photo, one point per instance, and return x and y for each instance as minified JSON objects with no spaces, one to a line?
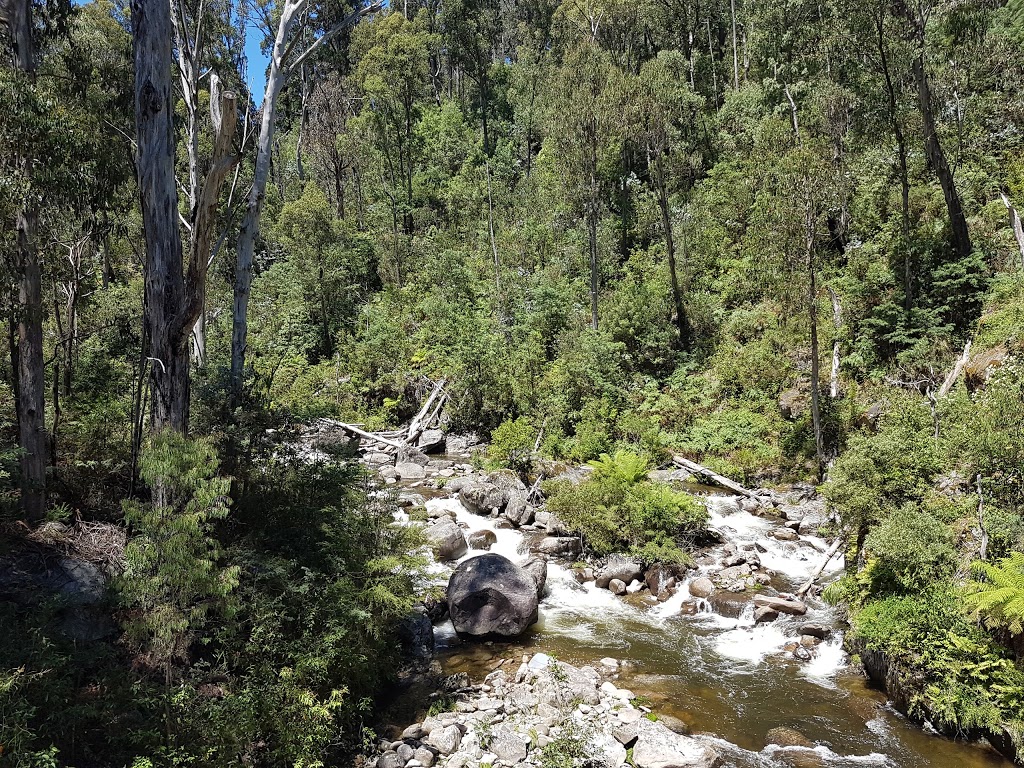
{"x":760,"y":235}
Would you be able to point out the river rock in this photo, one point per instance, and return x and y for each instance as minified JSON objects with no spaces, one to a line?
{"x":517,"y":508}
{"x":733,"y":574}
{"x":482,"y":498}
{"x":785,"y":534}
{"x":621,"y":568}
{"x":558,"y":545}
{"x":658,"y":747}
{"x":802,"y":653}
{"x":781,"y":604}
{"x":819,"y":631}
{"x":431,"y":441}
{"x":482,"y":539}
{"x":661,"y":577}
{"x":508,"y":745}
{"x":411,"y":500}
{"x":445,"y":740}
{"x":560,"y":684}
{"x":506,"y":480}
{"x":424,"y":757}
{"x":456,"y":484}
{"x":446,"y":539}
{"x":537,"y":567}
{"x":390,"y":760}
{"x":702,"y":587}
{"x":550,"y":522}
{"x":617,"y":587}
{"x":408,"y":470}
{"x":787,"y":737}
{"x":765,"y":615}
{"x":491,"y":595}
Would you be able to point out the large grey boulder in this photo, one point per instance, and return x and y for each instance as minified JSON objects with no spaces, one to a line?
{"x":658,"y":747}
{"x":431,"y":441}
{"x":482,"y":498}
{"x":445,"y":740}
{"x":702,"y":587}
{"x":558,"y":545}
{"x":517,"y":508}
{"x":410,"y":471}
{"x":491,"y":595}
{"x":506,"y":479}
{"x":509,"y":746}
{"x":482,"y":539}
{"x":621,"y":568}
{"x":447,"y":540}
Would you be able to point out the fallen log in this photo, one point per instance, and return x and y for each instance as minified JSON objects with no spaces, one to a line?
{"x":716,"y":479}
{"x":958,"y":368}
{"x":828,"y":559}
{"x":368,"y":435}
{"x":421,"y":421}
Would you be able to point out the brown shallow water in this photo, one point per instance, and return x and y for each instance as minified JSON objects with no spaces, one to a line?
{"x":739,"y":704}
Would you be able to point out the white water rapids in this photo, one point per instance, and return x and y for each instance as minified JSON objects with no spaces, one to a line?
{"x":730,"y":680}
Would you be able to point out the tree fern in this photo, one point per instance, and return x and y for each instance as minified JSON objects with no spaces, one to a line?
{"x":999,"y":598}
{"x":624,"y":466}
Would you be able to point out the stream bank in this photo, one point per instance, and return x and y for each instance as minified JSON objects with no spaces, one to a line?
{"x":699,"y":660}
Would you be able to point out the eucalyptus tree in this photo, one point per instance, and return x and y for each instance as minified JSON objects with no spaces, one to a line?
{"x":665,"y":120}
{"x":392,"y":75}
{"x":303,"y":30}
{"x":174,"y":297}
{"x":585,"y":123}
{"x":915,"y":15}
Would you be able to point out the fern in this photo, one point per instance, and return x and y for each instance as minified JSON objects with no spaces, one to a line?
{"x":999,"y":599}
{"x":624,"y":466}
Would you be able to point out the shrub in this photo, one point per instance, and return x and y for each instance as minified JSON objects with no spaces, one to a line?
{"x":618,"y":510}
{"x":512,"y":444}
{"x":910,"y":551}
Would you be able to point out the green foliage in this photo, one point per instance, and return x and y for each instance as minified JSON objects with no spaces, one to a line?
{"x":998,"y":597}
{"x":969,"y":682}
{"x":883,"y":471}
{"x":571,"y":748}
{"x":512,"y":444}
{"x":172,"y":578}
{"x":909,"y":551}
{"x":618,"y":510}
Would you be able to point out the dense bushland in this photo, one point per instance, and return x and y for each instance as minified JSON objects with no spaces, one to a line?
{"x":758,"y":234}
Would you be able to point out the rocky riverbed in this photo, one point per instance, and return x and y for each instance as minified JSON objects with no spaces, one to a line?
{"x":724,"y":650}
{"x":545,"y":707}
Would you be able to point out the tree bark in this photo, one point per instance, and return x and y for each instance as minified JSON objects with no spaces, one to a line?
{"x":901,"y":147}
{"x":682,"y":322}
{"x":812,"y":316}
{"x":31,"y":375}
{"x":837,"y":322}
{"x":1015,"y":225}
{"x":936,"y":156}
{"x":152,"y":32}
{"x":31,"y":371}
{"x":937,"y":160}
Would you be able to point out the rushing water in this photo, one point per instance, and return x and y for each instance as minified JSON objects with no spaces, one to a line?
{"x":728,"y":680}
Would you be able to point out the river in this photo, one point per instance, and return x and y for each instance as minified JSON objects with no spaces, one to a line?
{"x":729,"y":680}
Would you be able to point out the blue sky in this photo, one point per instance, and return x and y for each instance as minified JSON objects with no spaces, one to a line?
{"x":257,"y":61}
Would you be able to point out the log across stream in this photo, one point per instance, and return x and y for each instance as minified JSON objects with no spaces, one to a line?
{"x":727,"y":679}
